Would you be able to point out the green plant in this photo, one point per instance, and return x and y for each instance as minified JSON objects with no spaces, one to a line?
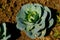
{"x":34,"y":19}
{"x":56,"y":33}
{"x":3,"y":32}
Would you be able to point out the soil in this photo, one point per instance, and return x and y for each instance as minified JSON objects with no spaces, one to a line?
{"x":9,"y":9}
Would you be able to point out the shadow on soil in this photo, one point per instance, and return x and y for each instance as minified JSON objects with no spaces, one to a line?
{"x":15,"y":33}
{"x":54,"y":13}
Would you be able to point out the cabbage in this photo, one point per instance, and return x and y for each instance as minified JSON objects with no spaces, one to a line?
{"x":34,"y":19}
{"x":3,"y":32}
